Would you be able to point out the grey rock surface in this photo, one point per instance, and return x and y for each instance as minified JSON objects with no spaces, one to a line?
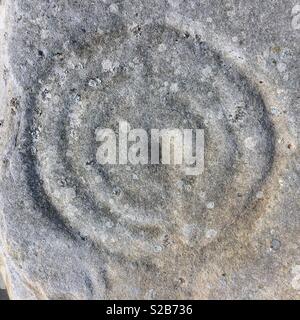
{"x":73,"y":229}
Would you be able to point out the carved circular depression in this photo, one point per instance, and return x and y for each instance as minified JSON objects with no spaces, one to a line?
{"x":154,"y":77}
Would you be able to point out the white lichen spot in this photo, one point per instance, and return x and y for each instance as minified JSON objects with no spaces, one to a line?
{"x":100,"y":31}
{"x":94,"y":82}
{"x":71,"y":65}
{"x":162,"y":47}
{"x":281,"y":182}
{"x":109,"y":224}
{"x":220,"y":115}
{"x":187,"y":187}
{"x":281,"y":67}
{"x":174,"y":87}
{"x":250,"y":143}
{"x":210,"y":205}
{"x":157,"y":248}
{"x":45,"y":34}
{"x":230,"y":13}
{"x":207,"y":71}
{"x":69,"y":153}
{"x":266,"y":54}
{"x":77,"y":98}
{"x":275,"y":111}
{"x":56,"y":99}
{"x":47,"y":95}
{"x":113,"y":8}
{"x":174,"y":3}
{"x":188,"y":231}
{"x":179,"y":184}
{"x":202,"y":195}
{"x":108,"y":65}
{"x":75,"y":120}
{"x":72,"y":211}
{"x":259,"y":195}
{"x":67,"y":194}
{"x":79,"y":66}
{"x":209,"y":20}
{"x":235,"y":39}
{"x":211,"y":233}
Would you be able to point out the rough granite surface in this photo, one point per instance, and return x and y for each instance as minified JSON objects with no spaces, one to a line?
{"x":73,"y":229}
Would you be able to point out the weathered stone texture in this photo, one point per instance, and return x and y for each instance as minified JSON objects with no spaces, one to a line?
{"x":72,"y":229}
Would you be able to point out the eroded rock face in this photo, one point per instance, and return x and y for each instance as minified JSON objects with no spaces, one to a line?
{"x":72,"y":228}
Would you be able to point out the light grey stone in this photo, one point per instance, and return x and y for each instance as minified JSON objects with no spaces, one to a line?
{"x":2,"y":285}
{"x":73,"y":229}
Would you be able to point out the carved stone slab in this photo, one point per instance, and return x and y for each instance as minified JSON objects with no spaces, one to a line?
{"x":71,"y":228}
